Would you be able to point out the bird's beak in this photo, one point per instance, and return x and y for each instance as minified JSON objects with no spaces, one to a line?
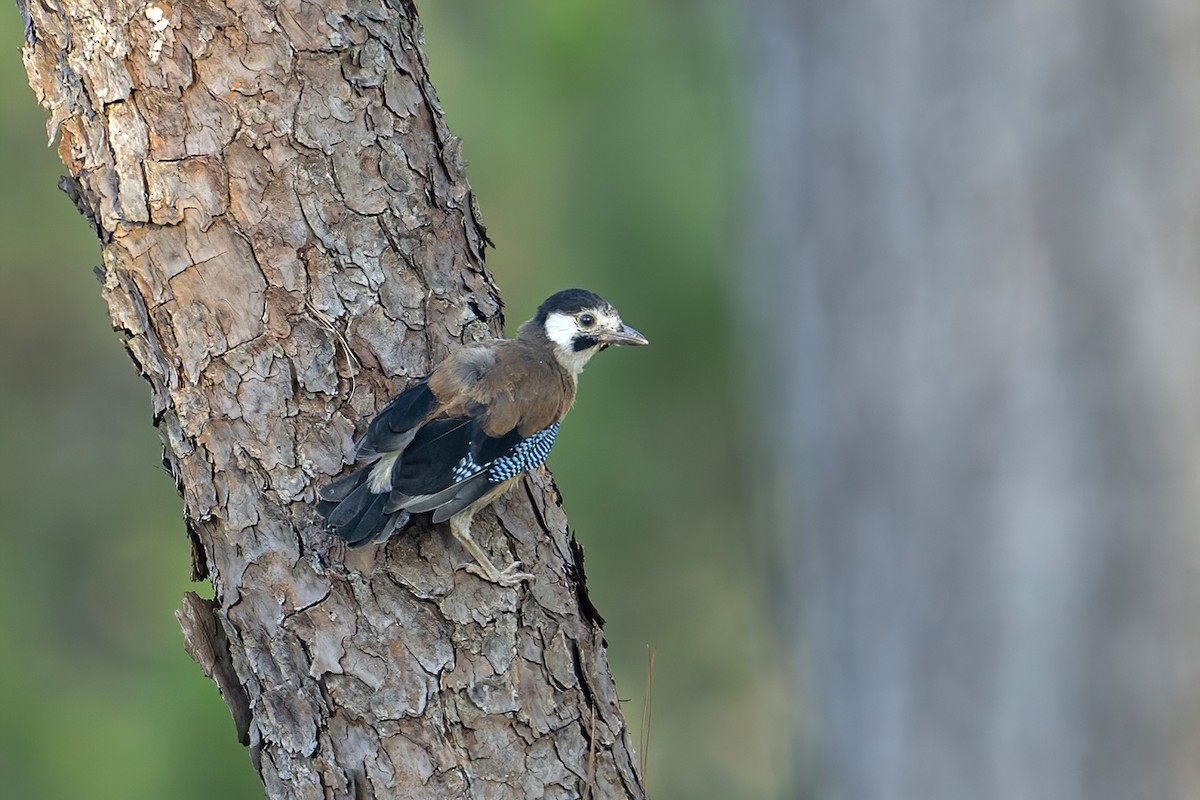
{"x":626,"y":335}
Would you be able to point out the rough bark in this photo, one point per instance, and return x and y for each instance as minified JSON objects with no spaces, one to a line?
{"x":288,"y":234}
{"x":978,"y":226}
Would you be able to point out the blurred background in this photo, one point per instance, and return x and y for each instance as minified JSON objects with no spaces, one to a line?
{"x":917,"y":444}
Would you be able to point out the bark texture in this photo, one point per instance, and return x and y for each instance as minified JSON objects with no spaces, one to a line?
{"x":978,"y":227}
{"x":288,"y":234}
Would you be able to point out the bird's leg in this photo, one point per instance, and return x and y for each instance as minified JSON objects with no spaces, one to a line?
{"x":460,"y":526}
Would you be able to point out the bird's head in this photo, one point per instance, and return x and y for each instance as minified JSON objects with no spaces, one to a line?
{"x":578,"y":324}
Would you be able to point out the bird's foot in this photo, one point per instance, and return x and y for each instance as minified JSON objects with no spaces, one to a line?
{"x":460,"y":526}
{"x":509,"y":576}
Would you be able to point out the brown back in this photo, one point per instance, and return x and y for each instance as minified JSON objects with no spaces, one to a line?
{"x":512,"y":383}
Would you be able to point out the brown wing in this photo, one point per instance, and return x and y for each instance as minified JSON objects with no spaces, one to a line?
{"x":509,"y":384}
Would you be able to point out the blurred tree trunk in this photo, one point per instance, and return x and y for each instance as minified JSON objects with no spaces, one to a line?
{"x":976,"y":253}
{"x":288,"y":233}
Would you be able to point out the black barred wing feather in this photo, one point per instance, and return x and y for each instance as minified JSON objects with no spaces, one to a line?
{"x":452,"y":463}
{"x":526,"y":454}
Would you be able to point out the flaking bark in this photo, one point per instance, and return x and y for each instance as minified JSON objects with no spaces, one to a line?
{"x":288,"y":234}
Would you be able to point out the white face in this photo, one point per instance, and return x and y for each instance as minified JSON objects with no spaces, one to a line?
{"x":564,"y":330}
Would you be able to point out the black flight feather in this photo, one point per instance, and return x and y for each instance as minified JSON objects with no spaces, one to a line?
{"x":430,"y":458}
{"x":468,"y":492}
{"x":476,"y":486}
{"x":333,"y":493}
{"x":395,"y":424}
{"x":360,"y":516}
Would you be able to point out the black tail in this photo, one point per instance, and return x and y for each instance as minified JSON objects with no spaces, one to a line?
{"x":353,"y":512}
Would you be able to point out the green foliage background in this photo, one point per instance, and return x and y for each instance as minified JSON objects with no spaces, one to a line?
{"x":604,"y":147}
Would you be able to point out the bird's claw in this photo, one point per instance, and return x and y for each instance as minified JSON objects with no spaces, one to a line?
{"x":509,"y":576}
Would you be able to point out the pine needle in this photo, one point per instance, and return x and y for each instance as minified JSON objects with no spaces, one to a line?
{"x":647,"y":704}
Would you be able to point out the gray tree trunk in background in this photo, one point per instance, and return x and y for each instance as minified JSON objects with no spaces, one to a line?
{"x":287,"y":234}
{"x":977,"y":254}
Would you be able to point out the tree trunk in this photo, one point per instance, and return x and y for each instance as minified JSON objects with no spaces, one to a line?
{"x":978,"y":237}
{"x":288,"y":234}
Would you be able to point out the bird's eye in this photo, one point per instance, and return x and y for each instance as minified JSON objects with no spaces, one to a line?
{"x":587,"y":320}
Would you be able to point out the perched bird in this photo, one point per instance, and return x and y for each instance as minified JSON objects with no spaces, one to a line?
{"x":454,"y":441}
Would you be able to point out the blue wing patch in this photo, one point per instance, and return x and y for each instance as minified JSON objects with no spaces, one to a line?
{"x":464,"y":469}
{"x":528,"y":454}
{"x":525,"y":455}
